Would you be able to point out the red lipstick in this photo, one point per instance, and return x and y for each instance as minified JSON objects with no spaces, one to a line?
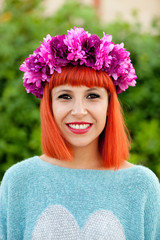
{"x":83,"y":129}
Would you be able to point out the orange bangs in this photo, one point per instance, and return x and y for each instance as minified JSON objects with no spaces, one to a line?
{"x":113,"y":141}
{"x":81,"y":75}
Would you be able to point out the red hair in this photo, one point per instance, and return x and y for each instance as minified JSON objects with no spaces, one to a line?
{"x":113,"y":141}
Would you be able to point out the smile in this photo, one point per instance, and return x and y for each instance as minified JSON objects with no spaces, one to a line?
{"x":79,"y":128}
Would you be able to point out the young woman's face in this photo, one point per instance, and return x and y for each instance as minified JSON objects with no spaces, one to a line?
{"x":80,"y":113}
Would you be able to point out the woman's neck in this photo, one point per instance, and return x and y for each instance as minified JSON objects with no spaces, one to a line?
{"x":87,"y":157}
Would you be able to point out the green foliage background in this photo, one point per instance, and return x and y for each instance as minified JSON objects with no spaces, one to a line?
{"x":22,"y":27}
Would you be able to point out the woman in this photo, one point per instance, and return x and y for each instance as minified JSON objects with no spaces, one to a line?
{"x":83,"y":186}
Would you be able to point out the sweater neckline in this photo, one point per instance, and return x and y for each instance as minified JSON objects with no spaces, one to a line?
{"x":83,"y":169}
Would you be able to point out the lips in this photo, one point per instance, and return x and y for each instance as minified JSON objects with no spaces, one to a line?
{"x":79,"y":127}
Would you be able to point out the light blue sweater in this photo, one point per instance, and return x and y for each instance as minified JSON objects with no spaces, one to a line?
{"x":41,"y":201}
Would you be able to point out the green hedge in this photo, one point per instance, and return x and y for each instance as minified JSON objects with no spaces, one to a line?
{"x":22,"y":27}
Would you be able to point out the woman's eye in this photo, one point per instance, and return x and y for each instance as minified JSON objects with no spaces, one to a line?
{"x":64,"y":96}
{"x":93,"y":95}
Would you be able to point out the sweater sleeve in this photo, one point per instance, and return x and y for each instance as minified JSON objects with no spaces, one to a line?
{"x":152,"y":209}
{"x":3,"y":208}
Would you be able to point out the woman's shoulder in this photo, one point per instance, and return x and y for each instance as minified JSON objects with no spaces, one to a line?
{"x":22,"y":168}
{"x":144,"y":178}
{"x":143,"y":172}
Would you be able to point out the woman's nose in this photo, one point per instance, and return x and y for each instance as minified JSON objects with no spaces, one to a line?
{"x":79,"y":108}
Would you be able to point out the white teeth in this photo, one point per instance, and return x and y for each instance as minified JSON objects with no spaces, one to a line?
{"x":79,"y":126}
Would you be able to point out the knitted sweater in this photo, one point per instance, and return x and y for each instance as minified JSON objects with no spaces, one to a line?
{"x":41,"y":201}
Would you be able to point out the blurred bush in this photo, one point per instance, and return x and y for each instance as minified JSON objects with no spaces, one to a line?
{"x":22,"y":27}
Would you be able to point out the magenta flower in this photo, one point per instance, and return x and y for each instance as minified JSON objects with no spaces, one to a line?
{"x":103,"y":55}
{"x":91,"y":47}
{"x":59,"y":50}
{"x":120,"y":68}
{"x":75,"y":39}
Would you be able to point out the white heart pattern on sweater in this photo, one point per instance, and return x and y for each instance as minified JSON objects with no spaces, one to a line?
{"x":57,"y":223}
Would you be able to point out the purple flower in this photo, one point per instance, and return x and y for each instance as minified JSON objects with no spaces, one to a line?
{"x":33,"y":63}
{"x":75,"y":39}
{"x":90,"y":47}
{"x":33,"y":84}
{"x":103,"y":56}
{"x":59,"y":50}
{"x":47,"y":56}
{"x":121,"y":68}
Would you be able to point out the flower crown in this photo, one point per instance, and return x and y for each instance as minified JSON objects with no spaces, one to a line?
{"x":78,"y":47}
